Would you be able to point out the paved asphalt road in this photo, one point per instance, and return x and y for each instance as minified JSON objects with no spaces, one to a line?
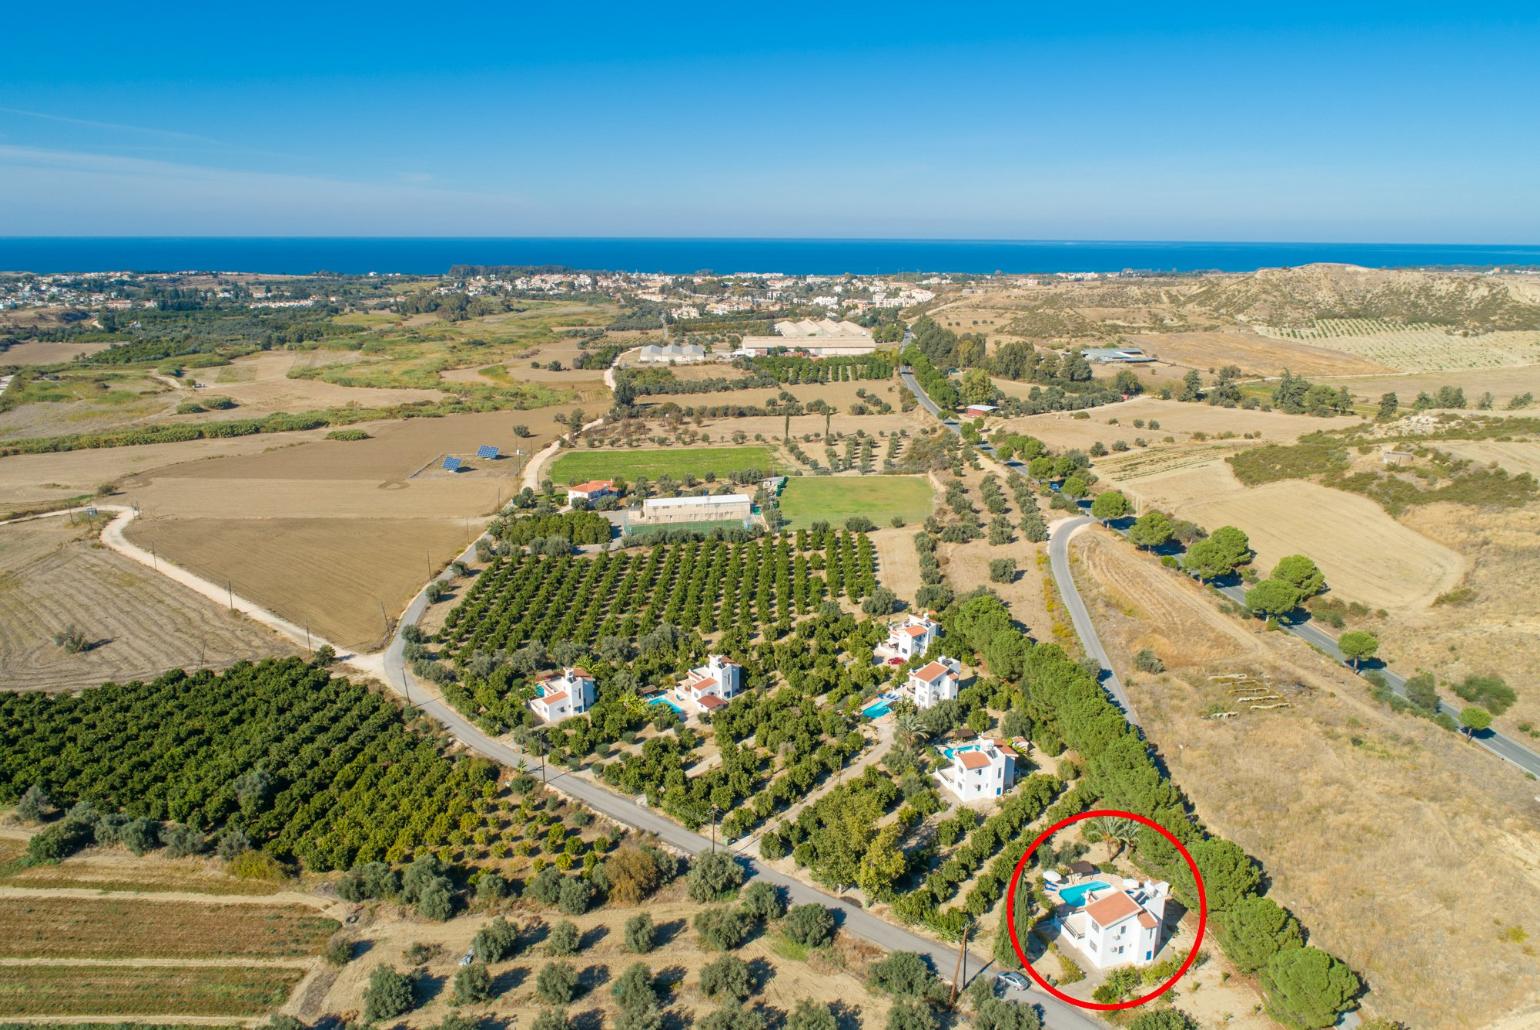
{"x":1057,"y":1015}
{"x":1058,"y":550}
{"x":1058,"y":561}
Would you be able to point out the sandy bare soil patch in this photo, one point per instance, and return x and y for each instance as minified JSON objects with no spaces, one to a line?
{"x":898,"y":566}
{"x":1060,"y":430}
{"x":333,"y":575}
{"x":1502,"y":383}
{"x":27,"y":479}
{"x":1252,"y":352}
{"x":35,"y":352}
{"x":1401,"y":849}
{"x":54,"y":574}
{"x":260,"y":385}
{"x":1366,"y":554}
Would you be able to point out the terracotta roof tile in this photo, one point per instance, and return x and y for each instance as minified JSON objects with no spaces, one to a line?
{"x":1114,"y":908}
{"x":973,"y":759}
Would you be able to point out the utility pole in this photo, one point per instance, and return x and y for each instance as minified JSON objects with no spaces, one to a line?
{"x":308,"y":646}
{"x":230,"y":594}
{"x":962,"y":962}
{"x":714,"y":812}
{"x":406,"y":687}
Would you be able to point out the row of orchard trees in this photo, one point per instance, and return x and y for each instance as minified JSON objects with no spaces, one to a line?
{"x":708,"y":585}
{"x":305,"y":766}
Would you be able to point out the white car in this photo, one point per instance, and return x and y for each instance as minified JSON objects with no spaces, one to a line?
{"x":1012,"y":981}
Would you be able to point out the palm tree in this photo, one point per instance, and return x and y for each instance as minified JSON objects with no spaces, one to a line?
{"x":1119,"y":833}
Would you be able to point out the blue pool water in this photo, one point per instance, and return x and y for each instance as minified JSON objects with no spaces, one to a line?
{"x":948,"y":752}
{"x":877,"y":711}
{"x":1074,"y":896}
{"x":661,"y":700}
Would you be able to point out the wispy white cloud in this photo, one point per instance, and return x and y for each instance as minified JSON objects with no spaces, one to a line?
{"x":48,"y":191}
{"x":88,"y":123}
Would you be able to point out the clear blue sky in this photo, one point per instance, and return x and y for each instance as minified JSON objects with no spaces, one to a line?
{"x":1300,"y":121}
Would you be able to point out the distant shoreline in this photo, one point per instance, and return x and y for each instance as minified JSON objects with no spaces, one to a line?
{"x":283,"y":255}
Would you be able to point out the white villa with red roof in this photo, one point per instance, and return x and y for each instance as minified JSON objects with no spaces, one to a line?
{"x":587,"y":493}
{"x":562,"y":695}
{"x":913,"y":637}
{"x":1120,"y":926}
{"x":708,"y":688}
{"x":933,"y":682}
{"x":983,"y":769}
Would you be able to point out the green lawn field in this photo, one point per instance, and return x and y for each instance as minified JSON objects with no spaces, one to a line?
{"x":581,"y":466}
{"x":834,"y":499}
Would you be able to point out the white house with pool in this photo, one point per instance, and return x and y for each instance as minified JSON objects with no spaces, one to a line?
{"x":933,"y":682}
{"x":1113,"y":923}
{"x":709,"y":687}
{"x":983,"y":769}
{"x":910,"y":638}
{"x":562,"y":695}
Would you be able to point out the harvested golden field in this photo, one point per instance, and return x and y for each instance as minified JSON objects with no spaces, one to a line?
{"x":1402,"y":850}
{"x":898,"y":566}
{"x":1366,"y":554}
{"x":1515,"y":456}
{"x":1113,"y":422}
{"x":342,"y":577}
{"x":1502,"y":383}
{"x":155,"y":991}
{"x":37,"y":352}
{"x":1419,"y":347}
{"x":48,"y":925}
{"x":54,"y":574}
{"x":28,"y":479}
{"x":112,"y":870}
{"x":1252,"y":352}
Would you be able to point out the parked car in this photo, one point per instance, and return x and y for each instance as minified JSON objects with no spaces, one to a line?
{"x":1011,"y":981}
{"x":895,"y":661}
{"x":468,"y":957}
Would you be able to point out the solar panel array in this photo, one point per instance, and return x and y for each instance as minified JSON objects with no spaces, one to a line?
{"x":487,"y":451}
{"x":453,"y":464}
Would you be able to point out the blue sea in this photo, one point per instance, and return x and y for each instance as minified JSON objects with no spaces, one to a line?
{"x":434,"y":255}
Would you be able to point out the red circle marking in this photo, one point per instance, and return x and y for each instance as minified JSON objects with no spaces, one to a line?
{"x":1010,"y":909}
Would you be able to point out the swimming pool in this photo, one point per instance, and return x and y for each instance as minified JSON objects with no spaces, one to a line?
{"x":877,"y":711}
{"x":948,"y":752}
{"x":663,"y":700}
{"x":1074,"y":896}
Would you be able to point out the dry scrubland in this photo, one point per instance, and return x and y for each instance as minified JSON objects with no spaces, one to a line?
{"x":54,"y":574}
{"x":1496,"y":627}
{"x":1418,"y":347}
{"x":1409,"y":854}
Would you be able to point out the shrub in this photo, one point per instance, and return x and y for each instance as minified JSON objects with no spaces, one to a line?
{"x":60,"y":840}
{"x":497,"y":941}
{"x":34,"y":806}
{"x":1490,"y":692}
{"x":632,"y":873}
{"x":714,"y":876}
{"x":339,"y":950}
{"x":368,"y":880}
{"x":733,"y":1017}
{"x":641,"y":935}
{"x":902,"y":973}
{"x":723,"y":929}
{"x":633,"y":989}
{"x":763,"y":901}
{"x":909,"y":1014}
{"x":1307,"y":988}
{"x":557,"y":984}
{"x":388,"y":995}
{"x":1148,"y":661}
{"x":810,"y":925}
{"x":564,"y":939}
{"x":575,"y":896}
{"x":726,"y":977}
{"x":811,"y":1015}
{"x":550,"y":1019}
{"x":472,"y":985}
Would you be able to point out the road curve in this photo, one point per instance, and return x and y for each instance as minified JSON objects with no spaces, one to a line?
{"x":1058,"y":560}
{"x":1497,"y":743}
